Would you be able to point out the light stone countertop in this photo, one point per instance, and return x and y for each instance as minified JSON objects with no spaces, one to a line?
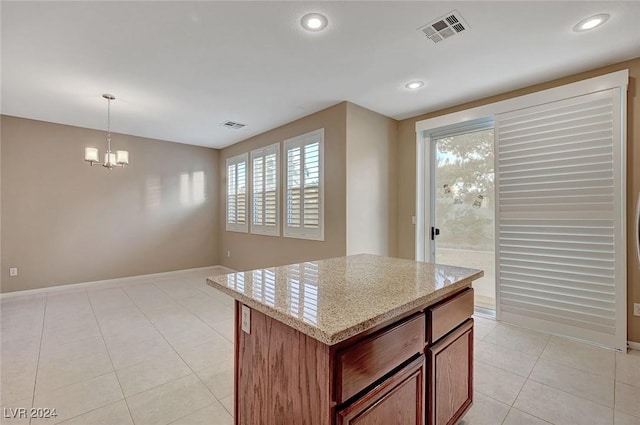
{"x":333,"y":300}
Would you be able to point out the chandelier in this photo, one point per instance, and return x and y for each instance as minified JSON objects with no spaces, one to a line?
{"x":111,"y":159}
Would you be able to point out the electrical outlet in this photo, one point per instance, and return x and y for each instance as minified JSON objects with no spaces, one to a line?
{"x":13,"y":271}
{"x":636,"y":309}
{"x":246,"y":319}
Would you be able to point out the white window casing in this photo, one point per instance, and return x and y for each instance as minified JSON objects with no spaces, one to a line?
{"x":237,"y":193}
{"x":265,"y":190}
{"x":304,"y":186}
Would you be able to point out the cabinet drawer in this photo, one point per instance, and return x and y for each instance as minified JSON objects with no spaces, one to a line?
{"x":398,"y":400}
{"x":370,"y":359}
{"x":446,"y":316}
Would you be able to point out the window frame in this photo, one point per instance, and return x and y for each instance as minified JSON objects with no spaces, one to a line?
{"x":264,"y":229}
{"x":301,"y":141}
{"x":234,"y":160}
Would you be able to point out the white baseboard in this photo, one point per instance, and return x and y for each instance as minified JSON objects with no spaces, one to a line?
{"x":634,"y":345}
{"x":110,"y":282}
{"x":226,"y":269}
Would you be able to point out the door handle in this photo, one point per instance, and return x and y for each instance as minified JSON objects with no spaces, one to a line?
{"x":435,"y":232}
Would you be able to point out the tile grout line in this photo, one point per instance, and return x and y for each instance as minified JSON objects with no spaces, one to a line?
{"x":506,"y":416}
{"x":225,"y":408}
{"x":175,"y":350}
{"x":188,"y":309}
{"x":77,"y":382}
{"x":511,"y":349}
{"x":90,"y":411}
{"x":526,"y":379}
{"x":197,"y":410}
{"x":95,"y":317}
{"x":539,"y":357}
{"x":35,"y":379}
{"x":83,"y":357}
{"x":573,"y":395}
{"x":578,"y":370}
{"x":177,"y":300}
{"x":526,"y":413}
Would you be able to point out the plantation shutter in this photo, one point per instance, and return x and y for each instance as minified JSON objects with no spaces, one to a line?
{"x":561,"y":208}
{"x":237,"y":193}
{"x":304,"y":192}
{"x":265,"y":192}
{"x":303,"y":296}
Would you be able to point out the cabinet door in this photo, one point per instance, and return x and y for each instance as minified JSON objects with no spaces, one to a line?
{"x":450,"y":376}
{"x":398,"y":400}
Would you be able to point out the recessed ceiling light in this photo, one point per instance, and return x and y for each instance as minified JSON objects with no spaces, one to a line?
{"x":591,"y":22}
{"x":314,"y":22}
{"x":414,"y":85}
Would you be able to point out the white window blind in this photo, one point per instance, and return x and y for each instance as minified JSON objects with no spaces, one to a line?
{"x":303,"y":297}
{"x":237,"y":193}
{"x":304,"y":209}
{"x":561,"y":227}
{"x":265,"y":192}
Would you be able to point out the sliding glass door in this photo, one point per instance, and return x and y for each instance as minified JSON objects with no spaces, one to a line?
{"x":463,"y":202}
{"x":555,"y":200}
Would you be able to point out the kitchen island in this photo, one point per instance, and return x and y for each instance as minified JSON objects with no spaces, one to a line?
{"x":361,"y":339}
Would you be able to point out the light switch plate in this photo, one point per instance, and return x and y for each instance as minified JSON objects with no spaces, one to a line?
{"x":636,"y":309}
{"x":246,"y":319}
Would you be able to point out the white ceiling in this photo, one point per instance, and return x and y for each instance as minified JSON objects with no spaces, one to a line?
{"x":179,"y":69}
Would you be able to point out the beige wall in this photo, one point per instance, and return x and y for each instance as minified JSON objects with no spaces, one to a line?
{"x":255,"y":251}
{"x":64,"y":221}
{"x":407,"y":172}
{"x":371,"y":182}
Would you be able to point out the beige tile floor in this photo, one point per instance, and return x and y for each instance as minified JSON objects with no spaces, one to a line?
{"x":160,"y":351}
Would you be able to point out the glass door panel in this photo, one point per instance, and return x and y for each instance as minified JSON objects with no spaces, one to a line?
{"x":463,"y":231}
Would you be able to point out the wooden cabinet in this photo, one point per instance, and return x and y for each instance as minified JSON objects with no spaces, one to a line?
{"x":448,"y":315}
{"x":365,"y":362}
{"x":398,"y":400}
{"x":415,"y":369}
{"x":450,"y":376}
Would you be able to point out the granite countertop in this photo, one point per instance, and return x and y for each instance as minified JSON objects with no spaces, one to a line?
{"x":333,"y":300}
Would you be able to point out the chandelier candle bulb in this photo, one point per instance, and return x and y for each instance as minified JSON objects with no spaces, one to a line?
{"x":122,"y":157}
{"x":109,"y":158}
{"x":91,"y":154}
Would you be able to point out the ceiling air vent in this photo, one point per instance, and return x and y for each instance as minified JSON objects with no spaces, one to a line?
{"x":444,"y":27}
{"x":232,"y":125}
